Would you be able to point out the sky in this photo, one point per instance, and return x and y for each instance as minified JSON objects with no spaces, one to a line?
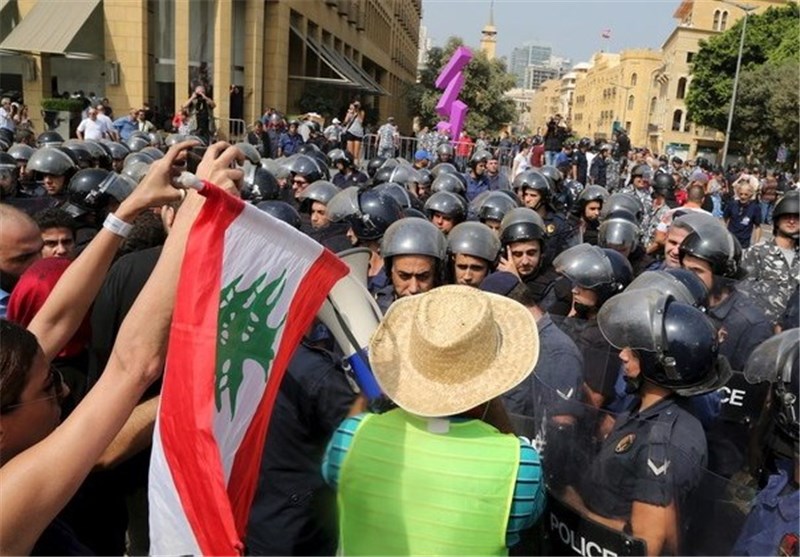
{"x":571,"y":27}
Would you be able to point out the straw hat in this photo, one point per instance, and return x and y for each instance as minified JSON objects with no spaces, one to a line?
{"x":451,"y":349}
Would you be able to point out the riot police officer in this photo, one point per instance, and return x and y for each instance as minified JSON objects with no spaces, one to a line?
{"x":445,"y":210}
{"x":313,"y":210}
{"x":473,"y":249}
{"x":653,"y":458}
{"x":491,"y":207}
{"x":620,"y":232}
{"x":54,"y":167}
{"x":594,"y":275}
{"x":585,"y":217}
{"x":414,"y":253}
{"x":348,"y":174}
{"x":535,"y":190}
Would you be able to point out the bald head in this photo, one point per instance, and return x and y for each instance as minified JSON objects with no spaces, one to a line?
{"x":20,"y":245}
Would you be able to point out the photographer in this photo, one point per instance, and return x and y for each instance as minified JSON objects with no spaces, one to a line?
{"x":353,"y":134}
{"x":557,"y":132}
{"x":200,"y":107}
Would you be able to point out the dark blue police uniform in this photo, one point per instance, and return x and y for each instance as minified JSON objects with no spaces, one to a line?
{"x":294,"y":511}
{"x":742,"y":326}
{"x":655,"y":456}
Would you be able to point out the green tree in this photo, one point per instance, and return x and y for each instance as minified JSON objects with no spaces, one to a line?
{"x":484,"y":85}
{"x":767,"y":98}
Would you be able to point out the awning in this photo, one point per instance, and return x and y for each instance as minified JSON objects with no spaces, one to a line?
{"x":73,"y":28}
{"x":350,"y":74}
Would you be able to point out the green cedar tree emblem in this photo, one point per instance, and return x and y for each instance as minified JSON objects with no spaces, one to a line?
{"x":244,"y":333}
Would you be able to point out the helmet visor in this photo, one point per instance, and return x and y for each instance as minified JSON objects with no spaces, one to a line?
{"x":772,"y":360}
{"x":344,"y":204}
{"x":585,"y":265}
{"x":633,"y":319}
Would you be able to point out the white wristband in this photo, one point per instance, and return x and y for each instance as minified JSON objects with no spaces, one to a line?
{"x":117,"y":226}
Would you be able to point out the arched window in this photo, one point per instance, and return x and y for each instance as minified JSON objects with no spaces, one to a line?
{"x":681,"y":92}
{"x":634,"y":78}
{"x":630,"y":102}
{"x":715,"y":26}
{"x":653,"y":103}
{"x":724,"y":24}
{"x":677,"y":116}
{"x":687,"y":125}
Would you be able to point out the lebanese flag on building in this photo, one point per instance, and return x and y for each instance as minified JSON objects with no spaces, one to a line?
{"x":250,"y":287}
{"x":606,"y":33}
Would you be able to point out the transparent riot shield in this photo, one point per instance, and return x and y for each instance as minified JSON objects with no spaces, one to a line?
{"x":607,"y":470}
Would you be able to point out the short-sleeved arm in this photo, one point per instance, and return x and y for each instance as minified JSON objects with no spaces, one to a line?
{"x":529,"y":496}
{"x":337,"y":449}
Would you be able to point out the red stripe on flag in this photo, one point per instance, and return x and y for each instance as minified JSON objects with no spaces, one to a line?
{"x":311,"y":293}
{"x":188,"y":390}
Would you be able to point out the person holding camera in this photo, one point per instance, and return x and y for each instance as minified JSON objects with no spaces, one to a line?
{"x":557,"y":132}
{"x":353,"y":134}
{"x":200,"y":107}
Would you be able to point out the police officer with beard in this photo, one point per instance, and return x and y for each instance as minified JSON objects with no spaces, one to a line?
{"x":642,"y":478}
{"x":535,"y":190}
{"x":585,"y":217}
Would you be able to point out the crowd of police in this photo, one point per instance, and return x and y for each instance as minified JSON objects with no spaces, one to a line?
{"x":664,"y":404}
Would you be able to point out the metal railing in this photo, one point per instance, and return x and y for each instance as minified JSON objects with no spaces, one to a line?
{"x":232,"y":130}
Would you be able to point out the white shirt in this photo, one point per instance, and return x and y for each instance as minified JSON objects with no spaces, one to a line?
{"x":92,"y":129}
{"x":6,"y":121}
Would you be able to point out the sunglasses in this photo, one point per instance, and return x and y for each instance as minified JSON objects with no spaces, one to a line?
{"x":300,"y":182}
{"x":56,"y":386}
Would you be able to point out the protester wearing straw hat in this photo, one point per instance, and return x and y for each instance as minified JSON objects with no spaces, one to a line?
{"x":433,"y":476}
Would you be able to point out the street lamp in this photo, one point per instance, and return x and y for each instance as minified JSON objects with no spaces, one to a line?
{"x":747,"y":10}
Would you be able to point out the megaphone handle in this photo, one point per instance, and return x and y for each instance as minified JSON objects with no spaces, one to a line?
{"x":363,"y":374}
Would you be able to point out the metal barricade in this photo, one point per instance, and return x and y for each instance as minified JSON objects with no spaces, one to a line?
{"x":404,"y":147}
{"x":232,"y":130}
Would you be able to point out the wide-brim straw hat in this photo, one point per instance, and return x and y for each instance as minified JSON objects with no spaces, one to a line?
{"x":451,"y":349}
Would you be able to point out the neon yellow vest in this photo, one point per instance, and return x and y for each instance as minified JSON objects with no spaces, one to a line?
{"x":406,"y":491}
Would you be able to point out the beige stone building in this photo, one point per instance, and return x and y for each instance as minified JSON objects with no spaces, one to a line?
{"x":614,"y":93}
{"x":546,"y":103}
{"x":252,"y":54}
{"x":670,"y":131}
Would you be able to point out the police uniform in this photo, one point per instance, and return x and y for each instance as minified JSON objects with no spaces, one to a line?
{"x":655,"y":456}
{"x":741,"y":325}
{"x":771,"y":277}
{"x":601,"y":360}
{"x":557,"y":235}
{"x":293,"y":511}
{"x":772,"y":525}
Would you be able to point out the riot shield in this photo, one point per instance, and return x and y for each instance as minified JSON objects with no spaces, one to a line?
{"x":610,"y":466}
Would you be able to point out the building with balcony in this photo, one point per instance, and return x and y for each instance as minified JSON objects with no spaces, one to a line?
{"x":251,"y":54}
{"x":670,"y":130}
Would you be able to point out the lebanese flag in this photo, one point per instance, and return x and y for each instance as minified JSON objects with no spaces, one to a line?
{"x":606,"y":33}
{"x":250,"y":287}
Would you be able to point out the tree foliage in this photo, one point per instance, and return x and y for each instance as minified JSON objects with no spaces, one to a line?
{"x":484,"y":85}
{"x":766,"y":112}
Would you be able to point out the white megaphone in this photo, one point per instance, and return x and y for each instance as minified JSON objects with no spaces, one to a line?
{"x":351,"y":314}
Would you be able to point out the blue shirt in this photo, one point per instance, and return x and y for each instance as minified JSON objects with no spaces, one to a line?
{"x":125,"y":127}
{"x":476,"y":185}
{"x":290,"y":143}
{"x":742,"y":219}
{"x":525,"y":509}
{"x":773,"y":518}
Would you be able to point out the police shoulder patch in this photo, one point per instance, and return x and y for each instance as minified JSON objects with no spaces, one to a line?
{"x":625,"y":443}
{"x":550,"y":228}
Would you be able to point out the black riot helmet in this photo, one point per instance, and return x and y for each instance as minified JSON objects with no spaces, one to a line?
{"x":448,"y":204}
{"x":585,"y":143}
{"x":663,"y":184}
{"x":625,"y":201}
{"x":137,"y":142}
{"x":281,"y":211}
{"x":21,"y":152}
{"x":533,"y":180}
{"x":554,"y":176}
{"x":425,"y":178}
{"x":777,"y":361}
{"x":259,"y":184}
{"x":118,"y":150}
{"x":479,"y":156}
{"x":619,"y":231}
{"x":343,"y":156}
{"x":683,"y":285}
{"x":373,"y":165}
{"x":712,"y":243}
{"x":522,"y":224}
{"x":475,"y":239}
{"x":383,"y":175}
{"x":413,"y":237}
{"x":51,"y":138}
{"x":445,"y":150}
{"x":369,"y":213}
{"x":53,"y":161}
{"x":601,"y":270}
{"x":321,"y":191}
{"x":453,"y":183}
{"x":443,"y":168}
{"x":495,"y":206}
{"x":92,"y":189}
{"x":676,"y":344}
{"x":589,"y":194}
{"x":405,"y":175}
{"x":788,"y":205}
{"x":397,"y":191}
{"x":305,"y":166}
{"x":79,"y":153}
